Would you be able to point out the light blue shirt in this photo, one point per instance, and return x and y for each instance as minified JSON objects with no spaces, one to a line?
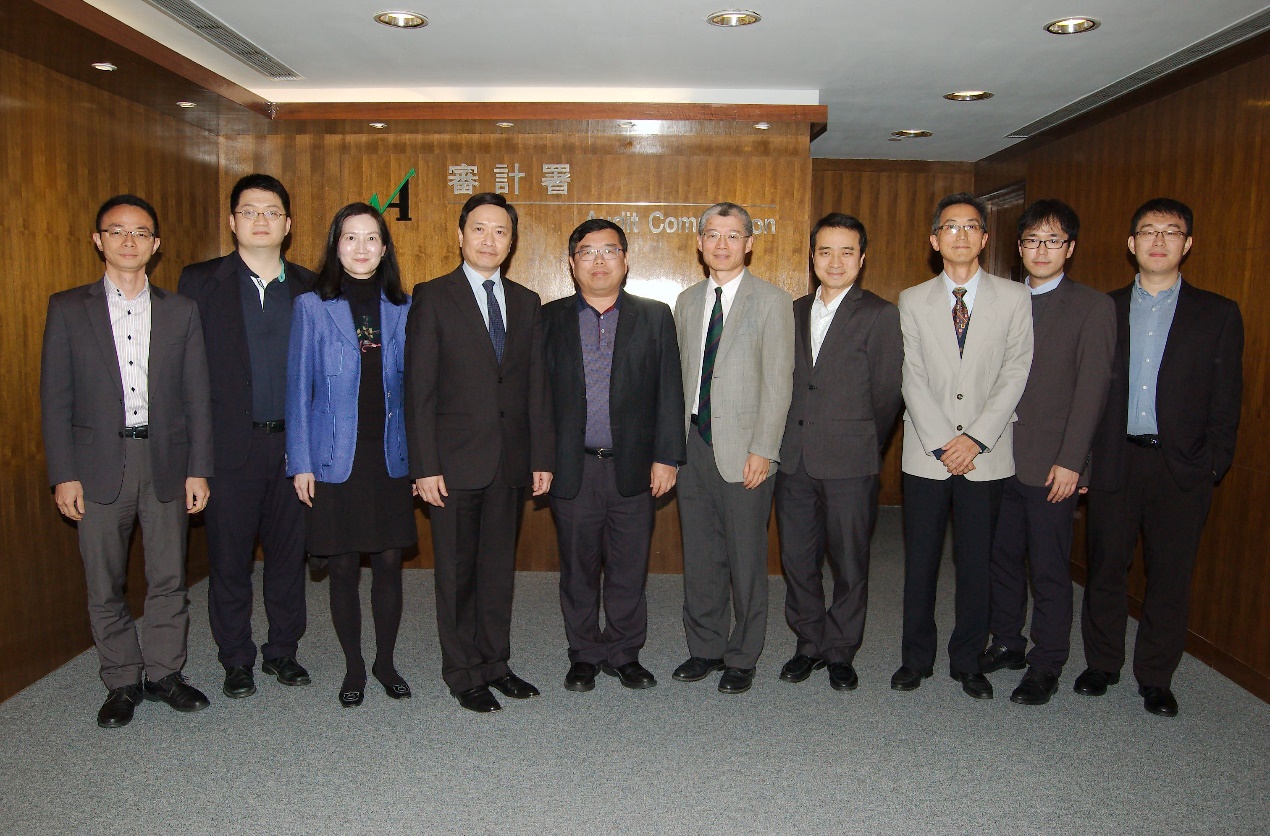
{"x":1150,"y":318}
{"x":1047,"y":287}
{"x":972,"y":287}
{"x":477,"y":281}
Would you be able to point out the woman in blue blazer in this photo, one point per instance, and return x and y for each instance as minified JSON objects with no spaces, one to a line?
{"x":346,"y":434}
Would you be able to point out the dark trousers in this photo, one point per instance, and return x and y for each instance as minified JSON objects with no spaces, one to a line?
{"x":1033,"y":540}
{"x":474,"y":554}
{"x":1170,"y":521}
{"x":604,"y":534}
{"x":821,"y":518}
{"x":974,"y":508}
{"x":255,"y":500}
{"x":103,"y":544}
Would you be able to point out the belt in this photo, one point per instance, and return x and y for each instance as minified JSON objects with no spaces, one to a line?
{"x":142,"y":431}
{"x":1143,"y":440}
{"x":269,"y":426}
{"x":599,"y":452}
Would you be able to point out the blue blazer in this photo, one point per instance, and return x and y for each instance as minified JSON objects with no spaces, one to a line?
{"x":324,"y":369}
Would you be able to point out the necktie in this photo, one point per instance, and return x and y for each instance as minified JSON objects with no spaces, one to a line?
{"x":497,"y":333}
{"x":714,"y":332}
{"x":961,"y":318}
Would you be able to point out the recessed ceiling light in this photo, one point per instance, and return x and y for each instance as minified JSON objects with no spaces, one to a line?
{"x":1072,"y":25}
{"x":402,"y":20}
{"x":627,"y":123}
{"x":379,"y":125}
{"x":763,"y":126}
{"x":504,"y":124}
{"x":105,"y":66}
{"x":734,"y":17}
{"x":186,"y":104}
{"x":968,"y":96}
{"x":910,"y":134}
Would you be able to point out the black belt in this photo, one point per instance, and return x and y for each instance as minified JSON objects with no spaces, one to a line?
{"x":142,"y":431}
{"x":599,"y":452}
{"x":1143,"y":440}
{"x":269,"y":426}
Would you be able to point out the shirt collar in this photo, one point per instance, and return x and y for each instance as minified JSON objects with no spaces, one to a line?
{"x":1163,"y":296}
{"x":832,"y":307}
{"x":248,"y":274}
{"x":112,"y":289}
{"x":970,"y":286}
{"x":729,"y":289}
{"x":583,"y":304}
{"x":477,"y":280}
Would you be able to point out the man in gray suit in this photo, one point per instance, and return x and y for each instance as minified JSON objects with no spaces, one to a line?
{"x":848,"y":353}
{"x":967,"y":350}
{"x":736,"y":340}
{"x":127,"y":434}
{"x":1075,"y":337}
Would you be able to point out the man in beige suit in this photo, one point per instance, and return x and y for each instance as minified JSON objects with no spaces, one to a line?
{"x":967,"y":352}
{"x":736,"y":343}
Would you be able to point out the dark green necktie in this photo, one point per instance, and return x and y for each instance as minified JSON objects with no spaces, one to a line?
{"x":713,"y":334}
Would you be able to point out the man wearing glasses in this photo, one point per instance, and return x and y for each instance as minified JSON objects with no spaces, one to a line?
{"x":736,"y":336}
{"x":245,"y":300}
{"x":967,"y":350}
{"x":1075,"y":328}
{"x":1166,"y":437}
{"x":613,"y":364}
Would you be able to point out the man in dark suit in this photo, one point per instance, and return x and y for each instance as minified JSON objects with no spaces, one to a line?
{"x":478,"y":425}
{"x":1075,"y":334}
{"x":127,"y":434}
{"x":848,"y":357}
{"x":244,"y":301}
{"x":613,"y":364}
{"x":1166,"y":437}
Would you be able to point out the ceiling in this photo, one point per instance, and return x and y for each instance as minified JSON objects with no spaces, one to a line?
{"x":879,"y":66}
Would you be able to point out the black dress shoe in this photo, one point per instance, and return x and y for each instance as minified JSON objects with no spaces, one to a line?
{"x":176,"y":692}
{"x":353,"y":697}
{"x":116,"y":711}
{"x":633,"y":675}
{"x":999,"y":656}
{"x":1036,"y":688}
{"x":478,"y":699}
{"x":974,"y":684}
{"x":800,"y":667}
{"x":513,"y":686}
{"x":736,"y":680}
{"x":287,"y":669}
{"x":909,"y":679}
{"x":1093,"y":682}
{"x":394,"y":685}
{"x":696,"y":669}
{"x":1158,"y":700}
{"x":842,"y":677}
{"x":581,"y":677}
{"x":239,"y":682}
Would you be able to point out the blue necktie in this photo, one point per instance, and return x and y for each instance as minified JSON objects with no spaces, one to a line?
{"x":497,"y":333}
{"x":714,"y":332}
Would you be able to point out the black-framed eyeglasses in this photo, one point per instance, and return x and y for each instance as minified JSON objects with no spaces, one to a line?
{"x":953,"y":228}
{"x":117,"y":233}
{"x":1152,"y":234}
{"x":592,"y":253}
{"x":270,"y":215}
{"x":1050,"y":243}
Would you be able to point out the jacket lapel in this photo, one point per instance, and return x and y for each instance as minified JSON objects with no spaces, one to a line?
{"x":342,"y":316}
{"x":840,"y":326}
{"x":461,"y":295}
{"x":985,"y":301}
{"x":693,"y":311}
{"x":939,"y":315}
{"x":227,"y":302}
{"x":162,"y":332}
{"x":99,"y":316}
{"x":733,"y":322}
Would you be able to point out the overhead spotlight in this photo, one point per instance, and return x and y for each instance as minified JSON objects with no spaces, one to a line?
{"x":402,"y":20}
{"x":379,"y":126}
{"x":1072,"y":25}
{"x":186,"y":104}
{"x":504,"y":124}
{"x":105,"y":66}
{"x":734,"y":17}
{"x":968,"y":96}
{"x":626,"y":123}
{"x":910,"y":134}
{"x":763,"y":126}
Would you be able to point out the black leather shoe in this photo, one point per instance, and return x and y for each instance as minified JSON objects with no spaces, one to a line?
{"x":353,"y":697}
{"x":696,"y":669}
{"x":239,"y":682}
{"x":842,"y":677}
{"x":1036,"y":688}
{"x":116,"y":711}
{"x":1093,"y":682}
{"x":176,"y":692}
{"x":999,"y":656}
{"x":1158,"y":700}
{"x":511,"y":685}
{"x":287,"y":669}
{"x":478,"y":699}
{"x":800,"y":667}
{"x":632,"y":674}
{"x":909,"y":679}
{"x":736,"y":680}
{"x":581,"y":677}
{"x":974,"y":684}
{"x":394,"y":685}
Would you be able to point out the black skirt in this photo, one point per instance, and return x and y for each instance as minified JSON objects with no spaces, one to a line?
{"x":370,"y":512}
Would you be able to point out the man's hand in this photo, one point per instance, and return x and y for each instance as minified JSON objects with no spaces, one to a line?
{"x":69,"y":497}
{"x":542,"y":482}
{"x":756,"y":470}
{"x":196,"y":494}
{"x":1061,"y":482}
{"x":431,"y":488}
{"x":663,"y":478}
{"x":959,"y":455}
{"x":304,"y":487}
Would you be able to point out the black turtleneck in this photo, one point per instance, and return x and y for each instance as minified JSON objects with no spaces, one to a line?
{"x":363,"y":297}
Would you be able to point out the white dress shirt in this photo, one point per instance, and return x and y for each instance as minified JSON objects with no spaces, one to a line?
{"x":130,"y":323}
{"x":822,"y":318}
{"x":729,"y":295}
{"x":972,"y":287}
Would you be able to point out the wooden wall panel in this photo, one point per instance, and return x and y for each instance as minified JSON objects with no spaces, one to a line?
{"x":65,"y":147}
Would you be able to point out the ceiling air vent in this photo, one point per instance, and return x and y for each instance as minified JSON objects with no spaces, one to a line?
{"x":199,"y":21}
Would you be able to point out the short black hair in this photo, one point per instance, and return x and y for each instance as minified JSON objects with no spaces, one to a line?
{"x":1165,"y":206}
{"x":488,"y":199}
{"x":264,"y":182}
{"x":1053,"y":210}
{"x":955,"y":199}
{"x":330,"y":277}
{"x":839,"y":220}
{"x":594,"y":225}
{"x":127,"y":200}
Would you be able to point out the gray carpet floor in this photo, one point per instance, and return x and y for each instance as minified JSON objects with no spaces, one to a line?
{"x":679,"y":758}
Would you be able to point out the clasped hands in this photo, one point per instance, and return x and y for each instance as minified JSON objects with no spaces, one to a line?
{"x":959,"y":455}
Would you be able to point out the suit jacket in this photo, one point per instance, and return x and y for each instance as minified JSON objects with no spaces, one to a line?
{"x":81,"y":395}
{"x":749,"y":397}
{"x":844,"y":405}
{"x":646,"y":399}
{"x":214,"y":285}
{"x":1200,"y":387}
{"x":324,"y":372}
{"x":466,"y":412}
{"x":1067,"y":386}
{"x":947,"y":394}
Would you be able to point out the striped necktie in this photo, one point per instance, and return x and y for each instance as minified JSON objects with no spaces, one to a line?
{"x":497,"y":333}
{"x":713,"y":334}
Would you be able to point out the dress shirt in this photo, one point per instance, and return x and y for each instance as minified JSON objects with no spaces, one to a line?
{"x":267,"y":323}
{"x":130,"y":324}
{"x":729,"y":295}
{"x":597,"y":330}
{"x":477,"y":281}
{"x":822,"y":318}
{"x":972,"y":288}
{"x":1045,"y":288}
{"x":1150,"y":318}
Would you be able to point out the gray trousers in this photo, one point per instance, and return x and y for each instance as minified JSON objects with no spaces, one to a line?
{"x":724,"y":528}
{"x":103,"y":544}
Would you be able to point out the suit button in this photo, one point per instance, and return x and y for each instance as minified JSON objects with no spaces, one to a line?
{"x":959,"y":428}
{"x":811,"y":386}
{"x":800,"y":422}
{"x":500,"y":379}
{"x":501,"y":413}
{"x":959,"y":396}
{"x":121,"y":435}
